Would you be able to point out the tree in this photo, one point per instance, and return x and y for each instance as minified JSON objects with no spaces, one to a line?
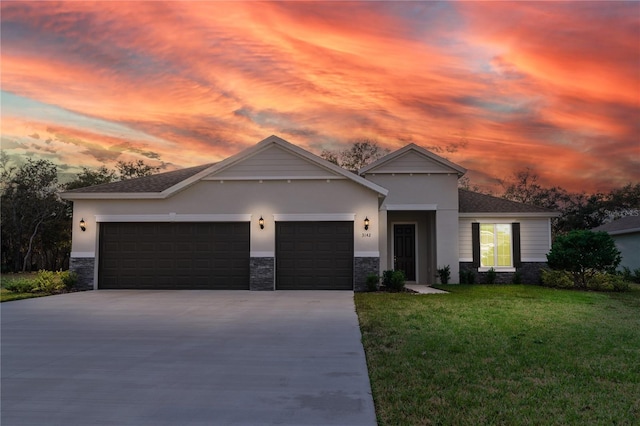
{"x":89,"y":177}
{"x":29,"y":204}
{"x":361,"y":153}
{"x":524,"y":188}
{"x":582,"y":254}
{"x":132,"y":170}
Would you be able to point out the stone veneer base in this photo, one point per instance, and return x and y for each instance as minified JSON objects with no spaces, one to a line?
{"x":362,"y":267}
{"x":84,"y":267}
{"x":529,"y":273}
{"x":262,"y":273}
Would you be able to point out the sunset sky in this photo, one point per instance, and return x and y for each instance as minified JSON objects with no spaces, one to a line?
{"x":504,"y":85}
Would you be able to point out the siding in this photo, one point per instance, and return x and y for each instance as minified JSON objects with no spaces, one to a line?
{"x":534,"y":237}
{"x":273,"y":162}
{"x":411,"y":162}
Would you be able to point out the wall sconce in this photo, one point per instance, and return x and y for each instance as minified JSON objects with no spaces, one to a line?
{"x":366,"y":223}
{"x":261,"y":222}
{"x":83,"y":225}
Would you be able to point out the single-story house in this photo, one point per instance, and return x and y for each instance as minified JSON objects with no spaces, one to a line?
{"x":626,"y":234}
{"x":276,"y":216}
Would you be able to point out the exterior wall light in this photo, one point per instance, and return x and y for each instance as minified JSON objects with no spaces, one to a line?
{"x":366,"y":223}
{"x":261,"y":222}
{"x":83,"y":225}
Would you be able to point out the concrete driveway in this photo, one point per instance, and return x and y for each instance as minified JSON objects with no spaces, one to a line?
{"x":184,"y":358}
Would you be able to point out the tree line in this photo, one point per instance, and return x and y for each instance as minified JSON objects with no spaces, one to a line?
{"x":34,"y":220}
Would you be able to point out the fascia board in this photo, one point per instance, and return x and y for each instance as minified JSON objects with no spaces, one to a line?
{"x":114,"y":196}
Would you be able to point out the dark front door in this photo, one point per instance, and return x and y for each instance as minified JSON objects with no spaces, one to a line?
{"x":404,"y":249}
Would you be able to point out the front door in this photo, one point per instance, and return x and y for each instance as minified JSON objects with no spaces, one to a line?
{"x":404,"y":249}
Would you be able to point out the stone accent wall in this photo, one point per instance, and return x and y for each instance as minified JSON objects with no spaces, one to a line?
{"x":363,"y":266}
{"x":84,"y":267}
{"x":529,"y":272}
{"x":261,"y":271}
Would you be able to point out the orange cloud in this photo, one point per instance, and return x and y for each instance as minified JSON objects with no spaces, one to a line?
{"x":550,"y":84}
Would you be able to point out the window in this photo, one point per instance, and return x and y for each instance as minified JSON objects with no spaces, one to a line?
{"x":496,"y":245}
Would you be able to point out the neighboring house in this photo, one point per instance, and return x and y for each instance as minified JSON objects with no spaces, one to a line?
{"x":626,"y":234}
{"x":275,"y":216}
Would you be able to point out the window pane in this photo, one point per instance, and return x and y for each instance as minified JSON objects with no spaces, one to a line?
{"x":487,"y":245}
{"x":504,"y":245}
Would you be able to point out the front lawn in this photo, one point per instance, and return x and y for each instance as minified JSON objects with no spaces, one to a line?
{"x":6,"y":295}
{"x":503,"y":355}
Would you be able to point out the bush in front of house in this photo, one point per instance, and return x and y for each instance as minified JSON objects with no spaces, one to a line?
{"x":556,"y":279}
{"x":372,"y":282}
{"x":491,"y":276}
{"x":47,"y":282}
{"x":20,"y":285}
{"x":467,"y":276}
{"x":598,"y":281}
{"x":393,"y":280}
{"x":444,"y":274}
{"x":583,"y":254}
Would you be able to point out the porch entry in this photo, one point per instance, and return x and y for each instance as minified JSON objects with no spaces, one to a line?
{"x":404,"y":249}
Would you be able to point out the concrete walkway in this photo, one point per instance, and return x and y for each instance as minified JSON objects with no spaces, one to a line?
{"x":184,"y":358}
{"x":425,"y":289}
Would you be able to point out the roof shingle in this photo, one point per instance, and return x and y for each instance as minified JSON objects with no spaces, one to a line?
{"x":154,"y":183}
{"x":475,"y":202}
{"x":619,"y":226}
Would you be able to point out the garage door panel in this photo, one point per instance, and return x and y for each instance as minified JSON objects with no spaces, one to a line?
{"x":174,"y":255}
{"x":306,"y":255}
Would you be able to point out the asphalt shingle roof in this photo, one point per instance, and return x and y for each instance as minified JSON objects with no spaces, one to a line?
{"x":620,"y":225}
{"x":475,"y":202}
{"x":154,"y":183}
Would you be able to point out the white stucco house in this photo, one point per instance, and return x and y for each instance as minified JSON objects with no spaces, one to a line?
{"x":276,"y":216}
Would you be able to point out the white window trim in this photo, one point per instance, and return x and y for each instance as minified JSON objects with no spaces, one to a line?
{"x":393,"y":246}
{"x":497,"y":268}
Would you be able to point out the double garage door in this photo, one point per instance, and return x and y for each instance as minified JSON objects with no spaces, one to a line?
{"x":215,"y":255}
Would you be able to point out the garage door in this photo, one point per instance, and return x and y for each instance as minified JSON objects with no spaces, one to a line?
{"x":174,"y":256}
{"x":314,"y":255}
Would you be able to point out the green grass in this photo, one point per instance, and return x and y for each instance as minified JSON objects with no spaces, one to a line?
{"x":6,"y":295}
{"x":496,"y":354}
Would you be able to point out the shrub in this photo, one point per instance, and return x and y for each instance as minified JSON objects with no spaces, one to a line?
{"x":69,"y":279}
{"x":372,"y":282}
{"x":583,"y":254}
{"x":491,"y":276}
{"x":607,"y":282}
{"x":445,"y":274}
{"x":393,"y":281}
{"x":20,"y":285}
{"x":517,"y":278}
{"x":556,"y":279}
{"x":467,"y":276}
{"x":54,"y":282}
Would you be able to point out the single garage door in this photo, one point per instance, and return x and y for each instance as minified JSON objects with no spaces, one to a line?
{"x":314,"y":255}
{"x":178,"y":255}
